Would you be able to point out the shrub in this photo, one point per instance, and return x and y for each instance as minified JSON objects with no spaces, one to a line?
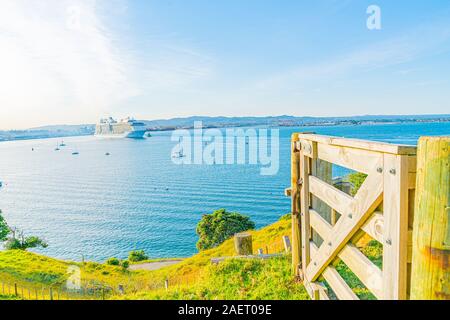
{"x":137,"y":255}
{"x":213,"y":229}
{"x":23,"y":243}
{"x":4,"y":229}
{"x":113,"y":261}
{"x":356,"y":179}
{"x":125,"y":264}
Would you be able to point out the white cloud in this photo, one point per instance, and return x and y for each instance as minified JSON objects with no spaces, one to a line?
{"x":58,"y":63}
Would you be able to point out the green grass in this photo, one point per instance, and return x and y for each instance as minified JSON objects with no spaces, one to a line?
{"x":30,"y":269}
{"x":231,"y":279}
{"x":237,"y":279}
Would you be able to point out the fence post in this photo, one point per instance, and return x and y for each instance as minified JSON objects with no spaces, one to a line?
{"x":15,"y":290}
{"x":287,"y":244}
{"x":430,"y":277}
{"x":51,"y":293}
{"x":166,"y":284}
{"x":295,"y":205}
{"x":243,"y":244}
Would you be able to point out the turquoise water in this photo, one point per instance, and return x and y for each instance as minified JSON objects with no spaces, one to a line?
{"x":100,"y":206}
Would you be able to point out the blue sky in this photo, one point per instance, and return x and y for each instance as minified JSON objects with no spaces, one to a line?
{"x":67,"y":61}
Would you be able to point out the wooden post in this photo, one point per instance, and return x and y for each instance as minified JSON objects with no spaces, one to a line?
{"x":166,"y":284}
{"x":121,"y":289}
{"x":51,"y":293}
{"x":243,"y":244}
{"x":430,"y":278}
{"x":295,"y":205}
{"x":324,"y":171}
{"x":15,"y":289}
{"x":287,"y":244}
{"x":395,"y":229}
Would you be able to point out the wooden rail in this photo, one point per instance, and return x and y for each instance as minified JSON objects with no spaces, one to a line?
{"x":327,"y":222}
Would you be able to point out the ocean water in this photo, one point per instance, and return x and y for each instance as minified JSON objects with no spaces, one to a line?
{"x":101,"y":206}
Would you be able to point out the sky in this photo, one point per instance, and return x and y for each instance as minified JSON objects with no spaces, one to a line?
{"x":76,"y":61}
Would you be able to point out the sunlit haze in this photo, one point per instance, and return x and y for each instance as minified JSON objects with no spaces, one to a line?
{"x":72,"y":62}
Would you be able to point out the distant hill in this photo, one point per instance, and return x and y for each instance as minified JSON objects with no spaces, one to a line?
{"x":285,"y":120}
{"x":53,"y":131}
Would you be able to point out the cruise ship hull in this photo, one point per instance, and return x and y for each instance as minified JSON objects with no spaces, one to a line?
{"x":109,"y":128}
{"x":129,"y":135}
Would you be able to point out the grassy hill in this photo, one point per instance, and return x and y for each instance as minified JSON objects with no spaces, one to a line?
{"x":193,"y":278}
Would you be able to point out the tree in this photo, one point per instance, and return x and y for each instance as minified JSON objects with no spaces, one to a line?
{"x":137,"y":255}
{"x":4,"y":229}
{"x":19,"y":242}
{"x":213,"y":229}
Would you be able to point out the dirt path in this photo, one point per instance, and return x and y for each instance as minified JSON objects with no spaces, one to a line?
{"x":154,"y":265}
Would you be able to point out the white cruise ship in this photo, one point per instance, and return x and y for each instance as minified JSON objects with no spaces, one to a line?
{"x":126,"y":128}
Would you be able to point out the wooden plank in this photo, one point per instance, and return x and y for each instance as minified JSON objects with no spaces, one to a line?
{"x":411,"y":180}
{"x":324,"y":171}
{"x":309,"y":148}
{"x":410,"y":245}
{"x":336,"y":282}
{"x":362,"y":144}
{"x":305,"y":204}
{"x":316,"y":290}
{"x":374,"y":226}
{"x":319,"y":224}
{"x":395,"y":210}
{"x":366,"y":201}
{"x":361,"y":266}
{"x":335,"y":198}
{"x":295,"y":206}
{"x":431,"y":239}
{"x":364,"y":269}
{"x":359,"y":160}
{"x":320,"y":291}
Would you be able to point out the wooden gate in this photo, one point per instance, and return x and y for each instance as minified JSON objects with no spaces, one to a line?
{"x":382,"y":208}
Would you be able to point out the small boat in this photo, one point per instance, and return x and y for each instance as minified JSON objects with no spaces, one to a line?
{"x":57,"y":147}
{"x":107,"y":154}
{"x":75,"y":153}
{"x":62,"y":144}
{"x":178,"y":154}
{"x":1,"y":184}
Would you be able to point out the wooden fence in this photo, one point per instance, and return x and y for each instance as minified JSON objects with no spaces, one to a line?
{"x":327,"y":222}
{"x":25,"y":291}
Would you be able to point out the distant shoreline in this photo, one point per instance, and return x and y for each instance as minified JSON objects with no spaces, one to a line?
{"x":50,"y":132}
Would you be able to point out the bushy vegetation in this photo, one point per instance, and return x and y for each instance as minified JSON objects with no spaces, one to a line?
{"x":213,"y":229}
{"x":4,"y":229}
{"x":117,"y":262}
{"x":356,"y":179}
{"x":15,"y":239}
{"x":113,"y":261}
{"x":137,"y":256}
